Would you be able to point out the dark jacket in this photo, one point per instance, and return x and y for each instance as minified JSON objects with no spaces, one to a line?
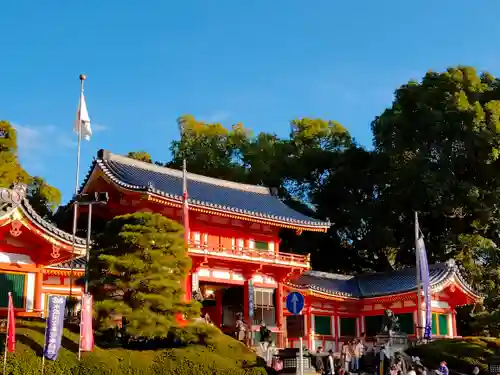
{"x":319,"y":362}
{"x":265,"y":334}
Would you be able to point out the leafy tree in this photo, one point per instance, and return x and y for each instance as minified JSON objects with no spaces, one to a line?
{"x":441,"y":140}
{"x":10,"y":168}
{"x":141,"y":156}
{"x":43,"y":197}
{"x":210,"y":148}
{"x":138,"y":273}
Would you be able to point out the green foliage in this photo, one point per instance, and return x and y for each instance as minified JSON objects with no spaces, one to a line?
{"x":137,"y":273}
{"x":440,"y":139}
{"x":43,"y":197}
{"x":141,"y":156}
{"x":461,"y":355}
{"x":10,"y":168}
{"x":221,"y":355}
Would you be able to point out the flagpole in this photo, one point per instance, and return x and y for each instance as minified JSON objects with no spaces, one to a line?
{"x":419,"y":294}
{"x":6,"y":339}
{"x":75,"y":204}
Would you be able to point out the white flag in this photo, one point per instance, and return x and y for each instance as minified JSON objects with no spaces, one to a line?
{"x":82,"y":122}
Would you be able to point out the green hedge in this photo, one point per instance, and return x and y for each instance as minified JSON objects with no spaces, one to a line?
{"x":218,"y":355}
{"x":460,"y":354}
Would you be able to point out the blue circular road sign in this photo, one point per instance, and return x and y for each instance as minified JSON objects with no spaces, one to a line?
{"x":295,"y":303}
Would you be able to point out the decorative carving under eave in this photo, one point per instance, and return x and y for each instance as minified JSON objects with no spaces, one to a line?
{"x":15,"y":228}
{"x":20,"y":189}
{"x":55,"y":252}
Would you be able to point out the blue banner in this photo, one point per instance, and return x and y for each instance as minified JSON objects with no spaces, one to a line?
{"x":251,"y":294}
{"x":424,"y":277}
{"x":54,"y":327}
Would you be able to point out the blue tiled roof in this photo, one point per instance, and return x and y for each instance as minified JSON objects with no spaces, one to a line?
{"x":377,"y":284}
{"x":204,"y":191}
{"x":22,"y":203}
{"x":78,"y":264}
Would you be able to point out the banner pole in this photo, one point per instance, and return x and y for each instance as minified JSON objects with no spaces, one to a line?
{"x":301,"y":356}
{"x":6,"y":343}
{"x":45,"y":337}
{"x":81,"y":321}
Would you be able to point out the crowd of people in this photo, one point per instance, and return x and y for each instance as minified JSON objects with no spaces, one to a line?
{"x":353,"y":359}
{"x":352,"y":356}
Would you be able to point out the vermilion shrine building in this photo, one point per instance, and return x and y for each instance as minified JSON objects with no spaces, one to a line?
{"x":31,"y":251}
{"x":236,"y":257}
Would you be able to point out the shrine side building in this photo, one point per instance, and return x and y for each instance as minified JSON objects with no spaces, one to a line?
{"x":237,"y":264}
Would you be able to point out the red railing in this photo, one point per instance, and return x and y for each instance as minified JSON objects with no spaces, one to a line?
{"x":266,"y":255}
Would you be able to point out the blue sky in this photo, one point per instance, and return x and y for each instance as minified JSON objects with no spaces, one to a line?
{"x":259,"y":62}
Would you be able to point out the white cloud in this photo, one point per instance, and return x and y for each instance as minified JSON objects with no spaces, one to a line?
{"x":218,"y":116}
{"x":99,"y":127}
{"x":34,"y":143}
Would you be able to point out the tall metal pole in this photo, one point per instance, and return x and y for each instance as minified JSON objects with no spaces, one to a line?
{"x":419,"y":294}
{"x":87,"y":248}
{"x":75,"y":203}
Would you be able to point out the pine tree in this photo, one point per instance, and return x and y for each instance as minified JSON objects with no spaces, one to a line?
{"x":137,"y":273}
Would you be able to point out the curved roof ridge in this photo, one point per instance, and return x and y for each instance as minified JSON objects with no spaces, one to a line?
{"x":240,"y":199}
{"x":29,"y":211}
{"x":328,"y":275}
{"x":78,"y":264}
{"x":378,"y":284}
{"x":107,"y":155}
{"x":15,"y":198}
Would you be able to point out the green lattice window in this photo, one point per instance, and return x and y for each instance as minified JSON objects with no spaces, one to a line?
{"x":373,"y":325}
{"x":14,"y":283}
{"x":434,"y":324}
{"x":348,"y":327}
{"x":443,"y":324}
{"x":261,"y":245}
{"x":406,"y":323}
{"x":322,"y":325}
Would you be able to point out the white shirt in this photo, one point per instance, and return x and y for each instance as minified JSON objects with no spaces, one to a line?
{"x":330,"y":361}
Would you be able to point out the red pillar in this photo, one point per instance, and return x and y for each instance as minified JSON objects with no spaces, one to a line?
{"x":187,"y":287}
{"x":279,"y":315}
{"x":279,"y":306}
{"x":38,"y":291}
{"x":454,"y":322}
{"x":308,"y":326}
{"x":337,"y":333}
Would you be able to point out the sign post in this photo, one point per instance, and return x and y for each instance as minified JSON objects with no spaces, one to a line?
{"x":295,"y":304}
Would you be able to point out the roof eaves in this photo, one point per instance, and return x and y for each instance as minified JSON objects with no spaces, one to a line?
{"x":101,"y":162}
{"x":29,"y":211}
{"x":209,"y":205}
{"x":316,"y":288}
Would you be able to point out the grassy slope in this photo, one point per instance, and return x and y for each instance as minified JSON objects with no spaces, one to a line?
{"x":221,"y":353}
{"x":460,"y":354}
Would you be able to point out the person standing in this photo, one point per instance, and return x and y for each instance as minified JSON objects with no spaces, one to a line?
{"x":240,"y":328}
{"x":443,"y":368}
{"x":330,"y":364}
{"x":265,"y":336}
{"x":346,"y":355}
{"x":319,"y":365}
{"x":358,"y":353}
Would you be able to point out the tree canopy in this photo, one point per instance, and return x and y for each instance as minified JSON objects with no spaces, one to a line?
{"x":43,"y":197}
{"x":137,"y":273}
